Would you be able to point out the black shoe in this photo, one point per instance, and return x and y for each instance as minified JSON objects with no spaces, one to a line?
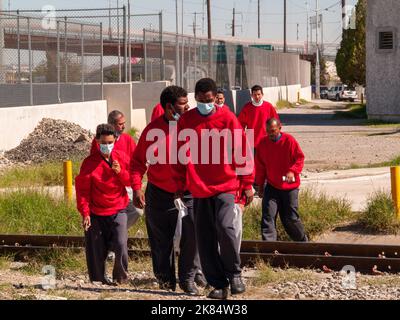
{"x":200,"y":280}
{"x":237,"y":285}
{"x":168,"y":286}
{"x":221,"y":294}
{"x":189,"y":287}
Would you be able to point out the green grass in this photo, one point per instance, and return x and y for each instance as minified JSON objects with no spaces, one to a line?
{"x":283,"y":104}
{"x":375,"y":123}
{"x":318,"y":212}
{"x":391,"y":163}
{"x":354,"y":111}
{"x":379,"y":214}
{"x":316,"y":107}
{"x":36,"y":212}
{"x":265,"y":274}
{"x":47,"y":174}
{"x":64,"y":263}
{"x":303,"y":101}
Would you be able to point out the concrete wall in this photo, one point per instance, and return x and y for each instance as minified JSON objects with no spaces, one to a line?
{"x":14,"y":95}
{"x":136,"y":100}
{"x":17,"y":122}
{"x":383,"y":68}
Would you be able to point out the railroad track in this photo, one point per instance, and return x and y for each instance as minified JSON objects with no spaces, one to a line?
{"x":365,"y":258}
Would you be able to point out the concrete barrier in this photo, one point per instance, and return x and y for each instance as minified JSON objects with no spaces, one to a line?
{"x":17,"y":122}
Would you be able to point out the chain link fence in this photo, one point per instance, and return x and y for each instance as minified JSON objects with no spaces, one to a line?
{"x":46,"y":61}
{"x":66,"y":55}
{"x":184,"y":59}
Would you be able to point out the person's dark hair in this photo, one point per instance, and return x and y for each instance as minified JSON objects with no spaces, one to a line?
{"x":220,"y":91}
{"x":105,"y":129}
{"x":256,"y":88}
{"x":171,"y":94}
{"x":205,"y":85}
{"x":272,"y":121}
{"x":113,"y":116}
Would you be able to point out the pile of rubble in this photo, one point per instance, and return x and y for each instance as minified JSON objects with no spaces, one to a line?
{"x":52,"y":140}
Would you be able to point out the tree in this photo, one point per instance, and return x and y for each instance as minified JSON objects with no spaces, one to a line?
{"x":324,"y":76}
{"x":351,"y":57}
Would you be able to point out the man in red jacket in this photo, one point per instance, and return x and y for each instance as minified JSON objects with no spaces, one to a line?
{"x":279,"y":162}
{"x":102,"y":200}
{"x":160,"y":212}
{"x":256,"y":113}
{"x":214,"y":182}
{"x":125,"y":145}
{"x":220,"y":100}
{"x":158,"y":111}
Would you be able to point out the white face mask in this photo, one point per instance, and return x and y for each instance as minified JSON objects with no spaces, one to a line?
{"x":106,"y":148}
{"x":257,"y":104}
{"x":205,"y":108}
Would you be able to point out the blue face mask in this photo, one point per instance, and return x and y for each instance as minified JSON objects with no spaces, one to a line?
{"x":205,"y":108}
{"x":277,"y":138}
{"x":106,"y":148}
{"x":175,"y":115}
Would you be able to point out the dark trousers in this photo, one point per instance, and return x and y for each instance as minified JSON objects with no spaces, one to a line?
{"x":217,"y":239}
{"x":286,"y":203}
{"x":103,"y":232}
{"x":161,"y":218}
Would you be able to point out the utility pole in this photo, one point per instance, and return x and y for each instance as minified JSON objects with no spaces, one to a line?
{"x":317,"y":66}
{"x":307,"y":46}
{"x":203,"y":18}
{"x":233,"y":23}
{"x":297,"y":32}
{"x":209,"y":36}
{"x":183,"y":50}
{"x":284,"y":27}
{"x":177,"y":73}
{"x":343,"y":13}
{"x":258,"y":16}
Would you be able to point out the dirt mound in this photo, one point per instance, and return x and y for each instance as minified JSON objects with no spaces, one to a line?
{"x":52,"y":140}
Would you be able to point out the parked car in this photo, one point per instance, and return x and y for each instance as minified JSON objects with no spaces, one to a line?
{"x":323,"y":92}
{"x":342,"y":92}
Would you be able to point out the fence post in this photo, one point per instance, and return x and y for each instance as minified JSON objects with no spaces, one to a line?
{"x":125,"y":45}
{"x":162,"y":58}
{"x":129,"y":43}
{"x":145,"y":55}
{"x":101,"y":61}
{"x":82,"y":66}
{"x":58,"y":63}
{"x":18,"y":47}
{"x":65,"y":50}
{"x":30,"y":63}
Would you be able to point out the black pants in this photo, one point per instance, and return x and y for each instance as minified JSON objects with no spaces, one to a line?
{"x":217,"y":239}
{"x":286,"y":203}
{"x":103,"y":232}
{"x":161,"y":218}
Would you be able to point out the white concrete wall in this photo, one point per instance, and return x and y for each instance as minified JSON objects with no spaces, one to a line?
{"x":17,"y":122}
{"x":137,"y":99}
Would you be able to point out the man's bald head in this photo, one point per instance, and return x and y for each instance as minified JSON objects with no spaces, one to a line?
{"x":273,"y":121}
{"x":274,"y":129}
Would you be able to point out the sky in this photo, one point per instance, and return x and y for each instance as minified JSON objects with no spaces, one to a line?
{"x":271,"y":12}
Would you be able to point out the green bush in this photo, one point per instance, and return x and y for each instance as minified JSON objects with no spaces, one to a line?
{"x":318,"y":212}
{"x":380,"y":214}
{"x":283,"y":104}
{"x":36,"y":212}
{"x":47,"y":174}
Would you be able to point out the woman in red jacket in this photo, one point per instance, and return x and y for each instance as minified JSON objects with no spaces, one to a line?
{"x":102,"y":201}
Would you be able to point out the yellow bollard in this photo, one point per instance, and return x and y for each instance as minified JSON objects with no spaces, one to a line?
{"x":68,"y":180}
{"x":395,"y":181}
